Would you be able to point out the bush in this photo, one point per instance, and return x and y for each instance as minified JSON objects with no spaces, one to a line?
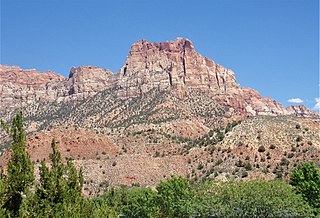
{"x":272,"y":147}
{"x":240,"y":163}
{"x":261,"y":149}
{"x":299,"y":138}
{"x":284,"y":162}
{"x":248,"y":166}
{"x":244,"y":174}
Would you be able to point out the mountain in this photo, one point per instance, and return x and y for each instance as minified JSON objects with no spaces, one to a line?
{"x":169,"y":110}
{"x":171,"y":65}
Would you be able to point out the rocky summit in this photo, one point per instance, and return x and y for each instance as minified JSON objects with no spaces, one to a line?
{"x":168,"y":111}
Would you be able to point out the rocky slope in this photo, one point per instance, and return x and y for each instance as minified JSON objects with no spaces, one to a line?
{"x":168,"y":111}
{"x":260,"y":146}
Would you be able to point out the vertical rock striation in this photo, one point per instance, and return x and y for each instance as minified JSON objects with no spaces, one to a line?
{"x":173,"y":64}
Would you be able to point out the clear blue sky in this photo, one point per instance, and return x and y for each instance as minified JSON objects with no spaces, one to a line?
{"x":272,"y":45}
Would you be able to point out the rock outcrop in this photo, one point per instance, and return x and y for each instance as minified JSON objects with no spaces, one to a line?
{"x":177,"y":65}
{"x":173,"y":65}
{"x":302,"y":111}
{"x":250,"y":102}
{"x":19,"y":87}
{"x":86,"y":81}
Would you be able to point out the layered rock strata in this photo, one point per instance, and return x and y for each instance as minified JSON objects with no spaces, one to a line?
{"x":173,"y":65}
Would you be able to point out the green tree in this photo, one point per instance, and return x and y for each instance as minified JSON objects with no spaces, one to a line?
{"x":176,"y":197}
{"x":306,"y":180}
{"x":3,"y":190}
{"x":133,"y":202}
{"x":260,"y":199}
{"x":59,"y":185}
{"x":20,"y":171}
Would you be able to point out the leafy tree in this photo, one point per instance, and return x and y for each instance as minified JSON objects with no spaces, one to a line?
{"x":260,"y":199}
{"x":133,"y":202}
{"x":20,"y":169}
{"x":176,"y":197}
{"x":306,"y":180}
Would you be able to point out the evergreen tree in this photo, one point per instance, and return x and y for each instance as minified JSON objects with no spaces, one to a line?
{"x":3,"y":189}
{"x":60,"y":184}
{"x":20,"y":171}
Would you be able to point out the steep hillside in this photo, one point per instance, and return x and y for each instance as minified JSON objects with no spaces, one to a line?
{"x":260,"y":146}
{"x":169,"y":111}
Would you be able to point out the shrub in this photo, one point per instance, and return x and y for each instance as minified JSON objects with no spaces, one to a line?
{"x":244,"y":174}
{"x":261,"y":149}
{"x":218,"y":162}
{"x":200,"y":166}
{"x":284,"y":162}
{"x":272,"y":147}
{"x":157,"y":154}
{"x":134,"y":202}
{"x":240,"y":163}
{"x":290,"y":155}
{"x":299,"y":138}
{"x":248,"y":166}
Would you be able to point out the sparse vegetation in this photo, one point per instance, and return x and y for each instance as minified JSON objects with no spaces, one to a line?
{"x":219,"y":147}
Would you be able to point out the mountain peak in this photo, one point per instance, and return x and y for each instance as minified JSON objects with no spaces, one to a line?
{"x":170,"y":64}
{"x":170,"y":46}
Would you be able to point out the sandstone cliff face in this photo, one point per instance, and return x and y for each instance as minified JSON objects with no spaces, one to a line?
{"x":302,"y":111}
{"x":19,"y":87}
{"x":249,"y":102}
{"x":173,"y":64}
{"x":177,"y":65}
{"x":86,"y":81}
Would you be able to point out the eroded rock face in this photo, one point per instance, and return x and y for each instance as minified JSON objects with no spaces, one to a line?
{"x":167,"y":65}
{"x":86,"y":81}
{"x":173,"y":64}
{"x":177,"y":65}
{"x":249,"y":102}
{"x":19,"y":87}
{"x":302,"y":111}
